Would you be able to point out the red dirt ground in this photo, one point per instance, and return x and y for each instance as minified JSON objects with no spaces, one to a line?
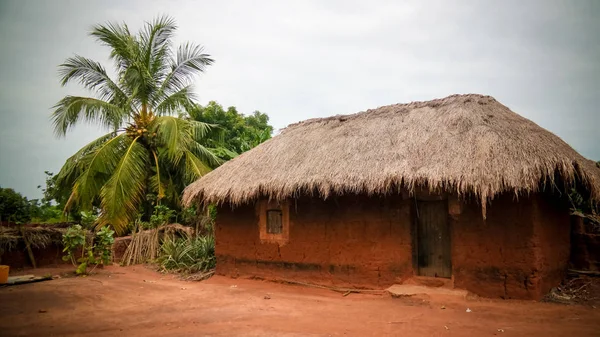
{"x":137,"y":301}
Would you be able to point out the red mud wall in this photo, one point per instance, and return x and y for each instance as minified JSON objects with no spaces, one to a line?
{"x":351,"y":240}
{"x":520,"y":251}
{"x":18,"y":258}
{"x":552,"y":241}
{"x":585,"y":245}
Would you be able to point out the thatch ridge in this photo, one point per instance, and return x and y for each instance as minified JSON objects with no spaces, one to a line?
{"x":470,"y":144}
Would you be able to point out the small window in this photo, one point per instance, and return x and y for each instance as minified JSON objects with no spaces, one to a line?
{"x":274,"y":221}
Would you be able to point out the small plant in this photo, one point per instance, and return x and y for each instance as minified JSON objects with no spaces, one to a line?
{"x":162,"y":216}
{"x":97,"y":253}
{"x":88,"y":219}
{"x":188,"y":255}
{"x":103,"y":244}
{"x":73,"y":240}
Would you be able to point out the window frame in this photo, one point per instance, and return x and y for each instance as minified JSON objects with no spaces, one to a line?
{"x":263,"y":208}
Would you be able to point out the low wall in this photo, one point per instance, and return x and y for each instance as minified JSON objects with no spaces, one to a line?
{"x":46,"y":257}
{"x":51,"y":255}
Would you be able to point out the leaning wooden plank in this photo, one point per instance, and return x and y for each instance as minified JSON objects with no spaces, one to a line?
{"x":16,"y":280}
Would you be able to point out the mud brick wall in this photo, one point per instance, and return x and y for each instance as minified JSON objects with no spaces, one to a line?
{"x":519,"y":251}
{"x":552,"y":241}
{"x":585,"y":245}
{"x":18,"y":258}
{"x":352,"y":241}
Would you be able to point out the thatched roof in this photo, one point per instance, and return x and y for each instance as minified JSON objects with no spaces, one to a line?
{"x":470,"y":144}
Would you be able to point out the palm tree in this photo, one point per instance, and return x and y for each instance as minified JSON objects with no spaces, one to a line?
{"x":148,"y":149}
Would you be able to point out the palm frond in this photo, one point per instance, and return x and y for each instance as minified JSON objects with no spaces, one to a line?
{"x":177,"y":136}
{"x":175,"y":102}
{"x":155,"y":39}
{"x":169,"y":131}
{"x":122,"y":194}
{"x":98,"y":165}
{"x":194,"y":167}
{"x":73,"y":166}
{"x":200,"y":130}
{"x":158,"y":186}
{"x":71,"y":109}
{"x":206,"y":155}
{"x":92,"y":76}
{"x":191,"y":60}
{"x":119,"y":39}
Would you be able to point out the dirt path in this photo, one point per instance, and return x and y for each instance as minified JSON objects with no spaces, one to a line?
{"x":136,"y":301}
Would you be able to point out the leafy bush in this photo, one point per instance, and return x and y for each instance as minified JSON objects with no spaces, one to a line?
{"x":188,"y":255}
{"x":103,"y":245}
{"x":97,"y":253}
{"x":88,"y":219}
{"x":202,"y":220}
{"x":162,"y":216}
{"x":73,"y":240}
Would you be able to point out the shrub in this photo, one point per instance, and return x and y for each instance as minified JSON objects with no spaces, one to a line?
{"x":88,"y":219}
{"x":97,"y":253}
{"x":162,"y":216}
{"x":187,"y":255}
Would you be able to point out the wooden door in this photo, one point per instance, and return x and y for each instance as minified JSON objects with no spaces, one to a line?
{"x":433,"y":239}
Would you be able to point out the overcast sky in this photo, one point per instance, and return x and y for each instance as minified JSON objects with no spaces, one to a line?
{"x":304,"y":59}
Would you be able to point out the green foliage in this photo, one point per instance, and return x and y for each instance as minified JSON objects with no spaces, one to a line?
{"x":188,"y":216}
{"x":45,"y":212}
{"x":88,"y":219}
{"x":162,"y":215}
{"x":235,"y":133}
{"x":52,"y":192}
{"x":14,"y":207}
{"x":149,"y":150}
{"x":103,"y":244}
{"x":583,"y":206}
{"x":75,"y":240}
{"x":49,"y":209}
{"x":187,"y":255}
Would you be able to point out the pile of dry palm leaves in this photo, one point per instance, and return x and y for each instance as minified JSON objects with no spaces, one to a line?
{"x":577,"y":289}
{"x":38,"y":237}
{"x":145,"y":244}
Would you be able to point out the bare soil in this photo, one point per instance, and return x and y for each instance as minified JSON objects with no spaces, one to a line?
{"x":137,"y":301}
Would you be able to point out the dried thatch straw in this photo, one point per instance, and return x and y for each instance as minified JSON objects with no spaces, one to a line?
{"x":469,"y":144}
{"x":38,"y":237}
{"x":145,"y":244}
{"x":142,"y":248}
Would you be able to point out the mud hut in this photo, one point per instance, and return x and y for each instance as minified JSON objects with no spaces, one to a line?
{"x":460,"y":189}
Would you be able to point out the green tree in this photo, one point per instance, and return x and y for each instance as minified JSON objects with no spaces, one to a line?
{"x":148,"y":149}
{"x":13,"y":206}
{"x":235,"y":133}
